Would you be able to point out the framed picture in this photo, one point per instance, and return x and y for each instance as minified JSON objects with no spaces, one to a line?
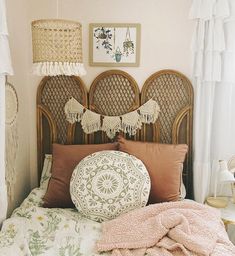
{"x":114,"y":44}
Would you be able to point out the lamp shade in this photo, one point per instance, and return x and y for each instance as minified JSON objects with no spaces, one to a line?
{"x":57,"y":47}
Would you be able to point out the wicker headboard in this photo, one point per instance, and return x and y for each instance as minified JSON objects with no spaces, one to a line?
{"x":115,"y":92}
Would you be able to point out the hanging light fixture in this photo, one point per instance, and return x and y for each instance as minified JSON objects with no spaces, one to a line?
{"x":57,"y":47}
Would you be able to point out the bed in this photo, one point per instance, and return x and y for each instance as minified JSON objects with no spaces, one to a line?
{"x":35,"y":230}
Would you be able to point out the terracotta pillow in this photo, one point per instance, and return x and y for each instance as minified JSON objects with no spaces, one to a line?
{"x":65,"y":159}
{"x":164,"y":164}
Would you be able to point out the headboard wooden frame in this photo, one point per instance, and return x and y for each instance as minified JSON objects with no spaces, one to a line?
{"x":115,"y":92}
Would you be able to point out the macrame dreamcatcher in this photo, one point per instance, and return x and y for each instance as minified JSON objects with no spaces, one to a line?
{"x":127,"y":123}
{"x":11,"y":137}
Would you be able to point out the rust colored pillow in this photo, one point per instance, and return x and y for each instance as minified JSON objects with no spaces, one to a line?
{"x":65,"y":159}
{"x":164,"y":164}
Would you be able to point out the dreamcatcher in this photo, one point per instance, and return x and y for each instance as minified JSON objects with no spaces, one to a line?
{"x":128,"y":45}
{"x":11,"y":145}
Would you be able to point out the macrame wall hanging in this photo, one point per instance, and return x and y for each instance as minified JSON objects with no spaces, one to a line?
{"x":127,"y":123}
{"x":11,"y":145}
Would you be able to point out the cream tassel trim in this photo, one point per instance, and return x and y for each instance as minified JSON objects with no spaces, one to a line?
{"x":58,"y":68}
{"x":128,"y":123}
{"x":149,"y":112}
{"x":73,"y":111}
{"x":131,"y":122}
{"x":111,"y":125}
{"x":90,"y":122}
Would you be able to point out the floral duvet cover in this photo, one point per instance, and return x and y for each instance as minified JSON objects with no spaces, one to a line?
{"x":33,"y":231}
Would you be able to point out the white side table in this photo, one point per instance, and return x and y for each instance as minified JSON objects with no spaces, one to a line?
{"x":228,"y":217}
{"x":228,"y":214}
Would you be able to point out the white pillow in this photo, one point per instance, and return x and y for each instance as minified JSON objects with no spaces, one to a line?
{"x":46,"y":172}
{"x":108,"y":183}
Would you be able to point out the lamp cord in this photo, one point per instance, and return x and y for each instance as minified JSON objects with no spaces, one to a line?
{"x":57,"y":9}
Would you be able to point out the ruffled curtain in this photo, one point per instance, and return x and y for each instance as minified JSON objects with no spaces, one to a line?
{"x":5,"y":69}
{"x":214,"y":81}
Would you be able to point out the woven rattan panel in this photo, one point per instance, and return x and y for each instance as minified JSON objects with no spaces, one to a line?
{"x":53,"y":93}
{"x":174,"y":94}
{"x":113,"y":93}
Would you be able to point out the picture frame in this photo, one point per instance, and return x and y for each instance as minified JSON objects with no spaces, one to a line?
{"x":114,"y":44}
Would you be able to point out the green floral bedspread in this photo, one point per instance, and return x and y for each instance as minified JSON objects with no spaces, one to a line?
{"x":33,"y":231}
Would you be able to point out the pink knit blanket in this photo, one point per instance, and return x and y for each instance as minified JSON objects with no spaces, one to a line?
{"x":166,"y":229}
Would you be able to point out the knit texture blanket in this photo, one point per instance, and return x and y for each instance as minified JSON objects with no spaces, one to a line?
{"x":175,"y":228}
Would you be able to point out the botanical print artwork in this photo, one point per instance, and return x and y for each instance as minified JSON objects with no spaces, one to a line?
{"x":116,"y":44}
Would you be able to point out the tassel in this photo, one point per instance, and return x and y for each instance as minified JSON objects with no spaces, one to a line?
{"x":131,"y":122}
{"x":90,"y":122}
{"x":58,"y":68}
{"x":111,"y":125}
{"x":149,"y":112}
{"x":73,"y":111}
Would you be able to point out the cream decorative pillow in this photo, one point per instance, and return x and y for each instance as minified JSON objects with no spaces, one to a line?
{"x":108,"y":183}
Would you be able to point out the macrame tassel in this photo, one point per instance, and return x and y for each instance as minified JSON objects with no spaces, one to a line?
{"x":90,"y":122}
{"x":111,"y":125}
{"x":10,"y":157}
{"x":58,"y":68}
{"x":131,"y":122}
{"x":73,"y":111}
{"x":149,"y":112}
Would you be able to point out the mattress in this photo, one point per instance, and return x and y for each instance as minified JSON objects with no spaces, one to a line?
{"x":33,"y":230}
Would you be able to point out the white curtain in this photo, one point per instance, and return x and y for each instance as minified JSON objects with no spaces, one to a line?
{"x":214,"y":85}
{"x":5,"y":69}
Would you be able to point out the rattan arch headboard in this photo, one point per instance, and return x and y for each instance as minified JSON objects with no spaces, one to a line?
{"x":115,"y":92}
{"x":174,"y":94}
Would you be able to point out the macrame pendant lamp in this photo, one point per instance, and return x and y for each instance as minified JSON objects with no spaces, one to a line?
{"x":57,"y":47}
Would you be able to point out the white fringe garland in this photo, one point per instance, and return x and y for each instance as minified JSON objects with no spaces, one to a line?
{"x":111,"y":125}
{"x":73,"y":111}
{"x":131,"y":122}
{"x":58,"y":68}
{"x":90,"y":122}
{"x":128,"y":123}
{"x":149,"y":112}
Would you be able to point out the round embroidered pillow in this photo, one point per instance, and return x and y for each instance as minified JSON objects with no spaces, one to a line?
{"x":108,"y":183}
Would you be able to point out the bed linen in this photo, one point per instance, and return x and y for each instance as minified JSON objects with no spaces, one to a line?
{"x":34,"y":231}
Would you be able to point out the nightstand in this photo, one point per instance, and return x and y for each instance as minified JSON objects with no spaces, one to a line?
{"x":227,"y":213}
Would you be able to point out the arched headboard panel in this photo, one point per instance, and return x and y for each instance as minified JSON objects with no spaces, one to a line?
{"x":174,"y":94}
{"x":53,"y":93}
{"x":112,"y":93}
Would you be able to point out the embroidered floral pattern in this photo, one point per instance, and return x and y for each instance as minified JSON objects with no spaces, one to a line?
{"x":109,"y":183}
{"x":36,"y":231}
